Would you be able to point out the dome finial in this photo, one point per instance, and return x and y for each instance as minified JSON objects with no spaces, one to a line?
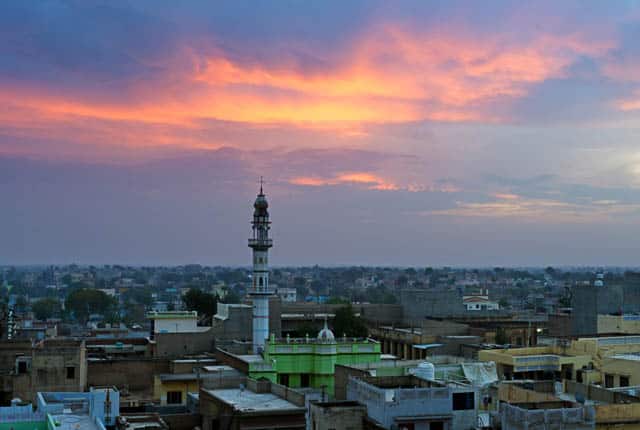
{"x":326,"y":334}
{"x":261,"y":183}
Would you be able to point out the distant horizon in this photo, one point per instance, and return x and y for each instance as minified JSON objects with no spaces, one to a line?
{"x":457,"y":133}
{"x":320,"y":266}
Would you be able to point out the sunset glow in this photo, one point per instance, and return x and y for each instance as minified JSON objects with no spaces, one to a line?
{"x":427,"y":117}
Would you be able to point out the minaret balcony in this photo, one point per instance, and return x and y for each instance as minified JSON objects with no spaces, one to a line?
{"x":261,"y":243}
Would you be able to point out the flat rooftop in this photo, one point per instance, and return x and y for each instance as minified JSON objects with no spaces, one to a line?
{"x":248,"y":401}
{"x":74,"y":422}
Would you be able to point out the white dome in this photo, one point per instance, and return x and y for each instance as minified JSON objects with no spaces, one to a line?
{"x":325,"y":333}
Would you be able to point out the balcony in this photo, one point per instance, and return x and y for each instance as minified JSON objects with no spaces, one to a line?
{"x":261,"y":243}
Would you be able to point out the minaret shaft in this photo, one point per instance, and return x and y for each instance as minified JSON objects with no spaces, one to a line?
{"x":260,"y":292}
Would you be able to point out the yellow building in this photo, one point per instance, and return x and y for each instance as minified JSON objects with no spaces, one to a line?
{"x":535,"y":363}
{"x":623,"y":324}
{"x":610,"y":361}
{"x":171,"y":389}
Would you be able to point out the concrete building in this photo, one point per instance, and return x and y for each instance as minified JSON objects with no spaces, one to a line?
{"x":619,"y":324}
{"x":311,"y":362}
{"x":50,"y":365}
{"x":233,"y":321}
{"x":418,"y":304}
{"x":92,"y":410}
{"x":449,"y":337}
{"x":260,"y":291}
{"x":567,"y":405}
{"x":479,"y":303}
{"x":287,"y":295}
{"x":413,"y":403}
{"x":455,"y":371}
{"x":187,"y":376}
{"x":558,"y":416}
{"x":342,"y":415}
{"x":96,"y":409}
{"x":173,"y":322}
{"x":258,"y":404}
{"x":306,"y":362}
{"x":610,"y":361}
{"x":590,"y":301}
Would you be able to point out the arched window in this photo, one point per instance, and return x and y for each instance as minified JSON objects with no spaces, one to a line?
{"x":260,"y":282}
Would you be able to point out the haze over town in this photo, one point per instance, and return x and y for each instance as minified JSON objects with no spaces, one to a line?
{"x":412,"y":134}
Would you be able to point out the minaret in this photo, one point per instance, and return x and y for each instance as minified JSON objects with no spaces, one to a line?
{"x":260,"y":243}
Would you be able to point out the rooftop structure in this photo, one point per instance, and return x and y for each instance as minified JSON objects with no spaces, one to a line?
{"x":260,"y":291}
{"x":602,"y":360}
{"x":173,"y":322}
{"x":310,"y":362}
{"x":411,"y":402}
{"x":256,"y":404}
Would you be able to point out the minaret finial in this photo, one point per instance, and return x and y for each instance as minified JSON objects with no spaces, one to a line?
{"x":261,"y":183}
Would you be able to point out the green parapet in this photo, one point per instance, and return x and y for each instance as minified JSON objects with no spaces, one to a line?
{"x":313,"y":357}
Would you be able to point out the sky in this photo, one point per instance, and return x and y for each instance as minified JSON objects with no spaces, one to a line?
{"x":408,"y":133}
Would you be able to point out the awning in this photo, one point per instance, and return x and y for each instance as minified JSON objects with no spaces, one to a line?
{"x":428,"y":345}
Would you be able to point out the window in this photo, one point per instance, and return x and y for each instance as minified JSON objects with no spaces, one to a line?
{"x":22,"y":367}
{"x":608,"y":380}
{"x":463,"y":401}
{"x":304,"y":380}
{"x":71,"y":372}
{"x":579,"y":376}
{"x":283,"y":379}
{"x":174,"y":397}
{"x":624,"y":381}
{"x":436,"y":425}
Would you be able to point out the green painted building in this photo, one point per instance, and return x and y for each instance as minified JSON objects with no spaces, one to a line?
{"x":309,"y":362}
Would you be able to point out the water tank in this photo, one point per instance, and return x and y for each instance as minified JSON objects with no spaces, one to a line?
{"x":425,"y":370}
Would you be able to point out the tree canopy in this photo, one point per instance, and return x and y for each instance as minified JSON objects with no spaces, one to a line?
{"x":347,"y":323}
{"x":201,"y":302}
{"x":86,"y":301}
{"x":46,"y":308}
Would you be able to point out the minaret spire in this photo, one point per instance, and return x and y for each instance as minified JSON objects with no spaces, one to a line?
{"x":260,"y":292}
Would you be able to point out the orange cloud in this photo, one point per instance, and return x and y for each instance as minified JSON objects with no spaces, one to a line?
{"x":389,"y":75}
{"x":372,"y":181}
{"x":629,"y":104}
{"x":539,"y":209}
{"x":506,"y":196}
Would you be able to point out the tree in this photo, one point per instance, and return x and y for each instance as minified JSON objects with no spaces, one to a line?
{"x":139,"y":295}
{"x":317,"y":286}
{"x":46,"y":308}
{"x":232,"y":297}
{"x":306,"y":328}
{"x":201,"y":302}
{"x":347,"y":323}
{"x":86,"y":301}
